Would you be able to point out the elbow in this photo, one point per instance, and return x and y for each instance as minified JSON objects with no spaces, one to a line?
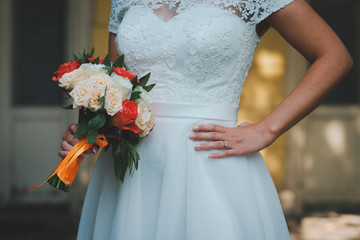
{"x":350,"y":63}
{"x":347,"y":62}
{"x":343,"y":62}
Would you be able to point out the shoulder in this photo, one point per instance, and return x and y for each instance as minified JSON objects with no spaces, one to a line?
{"x":118,"y":9}
{"x":259,"y":10}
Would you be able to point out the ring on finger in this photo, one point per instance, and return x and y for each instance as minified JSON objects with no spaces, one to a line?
{"x":225,"y":144}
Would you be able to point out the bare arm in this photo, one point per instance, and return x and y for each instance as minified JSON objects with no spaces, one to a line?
{"x":330,"y":60}
{"x":113,"y":53}
{"x":315,"y":40}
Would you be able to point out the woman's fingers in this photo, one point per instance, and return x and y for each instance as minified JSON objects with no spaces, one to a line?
{"x":71,"y":140}
{"x":224,"y":154}
{"x":212,"y":145}
{"x":206,"y":136}
{"x":63,"y":154}
{"x":72,"y":128}
{"x":66,"y":146}
{"x":209,"y":128}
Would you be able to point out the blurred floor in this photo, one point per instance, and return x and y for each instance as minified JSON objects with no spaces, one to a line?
{"x":56,"y":222}
{"x":37,"y":223}
{"x":326,"y":226}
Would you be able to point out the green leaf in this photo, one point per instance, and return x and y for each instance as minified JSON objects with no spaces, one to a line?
{"x":96,"y":122}
{"x":144,"y":80}
{"x":134,"y":82}
{"x":95,"y":61}
{"x":68,"y":107}
{"x":82,"y":128}
{"x":148,"y":88}
{"x":117,"y":159}
{"x":108,"y":69}
{"x":125,"y":156}
{"x":92,"y":135}
{"x":92,"y":52}
{"x":75,"y":57}
{"x":135,"y":158}
{"x":119,"y":61}
{"x":111,"y":70}
{"x":120,"y":163}
{"x":85,"y":54}
{"x":83,"y":60}
{"x":135,"y":95}
{"x":107,"y":61}
{"x":101,"y":99}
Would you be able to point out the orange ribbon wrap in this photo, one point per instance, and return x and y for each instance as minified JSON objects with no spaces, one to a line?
{"x":69,"y":166}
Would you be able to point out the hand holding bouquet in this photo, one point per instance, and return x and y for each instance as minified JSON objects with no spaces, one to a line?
{"x":114,"y":109}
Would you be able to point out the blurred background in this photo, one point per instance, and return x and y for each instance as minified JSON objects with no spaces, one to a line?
{"x":315,"y":166}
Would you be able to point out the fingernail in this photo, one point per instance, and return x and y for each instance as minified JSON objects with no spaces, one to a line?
{"x":195,"y":128}
{"x":197,"y":146}
{"x":211,"y":155}
{"x":192,"y":135}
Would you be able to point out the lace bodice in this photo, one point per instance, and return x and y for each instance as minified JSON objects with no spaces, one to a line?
{"x":197,"y":51}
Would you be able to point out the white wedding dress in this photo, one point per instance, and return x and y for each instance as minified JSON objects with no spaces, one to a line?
{"x":198,"y":53}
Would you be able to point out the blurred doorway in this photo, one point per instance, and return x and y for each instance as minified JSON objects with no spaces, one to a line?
{"x":36,"y":37}
{"x":33,"y":121}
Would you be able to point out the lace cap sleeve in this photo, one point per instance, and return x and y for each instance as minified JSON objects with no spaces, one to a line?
{"x":268,"y":7}
{"x":118,"y":9}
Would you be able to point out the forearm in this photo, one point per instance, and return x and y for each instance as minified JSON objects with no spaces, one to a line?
{"x":317,"y":83}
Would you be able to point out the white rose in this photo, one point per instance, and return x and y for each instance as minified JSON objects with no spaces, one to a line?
{"x":123,"y":84}
{"x":101,"y":80}
{"x":145,"y":120}
{"x":69,"y":80}
{"x":144,"y":96}
{"x":113,"y":100}
{"x":82,"y":93}
{"x":92,"y":69}
{"x":94,"y":104}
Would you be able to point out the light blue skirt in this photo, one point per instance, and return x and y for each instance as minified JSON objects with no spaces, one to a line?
{"x":178,"y":193}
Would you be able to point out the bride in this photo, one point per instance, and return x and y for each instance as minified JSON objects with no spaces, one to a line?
{"x":200,"y":176}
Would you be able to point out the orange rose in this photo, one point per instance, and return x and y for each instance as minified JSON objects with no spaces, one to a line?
{"x":65,"y":68}
{"x":125,"y":118}
{"x":123,"y":73}
{"x":101,"y":60}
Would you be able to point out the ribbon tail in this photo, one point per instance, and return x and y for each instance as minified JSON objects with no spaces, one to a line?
{"x":35,"y":187}
{"x":64,"y":174}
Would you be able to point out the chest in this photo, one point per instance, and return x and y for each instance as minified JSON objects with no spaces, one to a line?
{"x":202,"y":28}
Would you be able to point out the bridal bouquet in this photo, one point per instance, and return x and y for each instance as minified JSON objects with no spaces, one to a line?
{"x":106,"y":94}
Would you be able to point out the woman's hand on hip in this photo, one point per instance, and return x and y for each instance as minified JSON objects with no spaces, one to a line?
{"x":241,"y":140}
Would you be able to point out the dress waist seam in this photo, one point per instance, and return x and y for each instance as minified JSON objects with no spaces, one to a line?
{"x":198,"y":111}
